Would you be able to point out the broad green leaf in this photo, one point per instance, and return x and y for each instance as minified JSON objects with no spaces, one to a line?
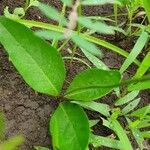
{"x":135,"y":51}
{"x":98,"y":107}
{"x":69,"y":128}
{"x":96,"y":25}
{"x":67,"y":2}
{"x":127,"y":98}
{"x":12,"y":143}
{"x":52,"y":13}
{"x":92,"y":84}
{"x":145,"y":65}
{"x":40,"y":65}
{"x":146,"y":4}
{"x":130,"y":106}
{"x":2,"y":125}
{"x":40,"y":148}
{"x":124,"y":141}
{"x":98,"y":141}
{"x":146,"y":134}
{"x":141,"y":112}
{"x":84,"y":44}
{"x":49,"y":35}
{"x":94,"y":60}
{"x":99,"y":2}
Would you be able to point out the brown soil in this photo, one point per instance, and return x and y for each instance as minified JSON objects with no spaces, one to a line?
{"x":27,"y":112}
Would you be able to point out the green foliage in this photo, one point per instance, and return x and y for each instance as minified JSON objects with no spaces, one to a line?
{"x":43,"y":69}
{"x":34,"y":59}
{"x":92,"y":84}
{"x":69,"y":127}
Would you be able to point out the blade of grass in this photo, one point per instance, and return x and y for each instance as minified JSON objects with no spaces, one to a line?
{"x":127,"y":98}
{"x":145,"y":65}
{"x":146,"y":4}
{"x":98,"y":107}
{"x":135,"y":51}
{"x":98,"y":141}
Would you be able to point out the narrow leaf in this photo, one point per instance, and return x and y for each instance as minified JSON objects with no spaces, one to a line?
{"x":40,"y":65}
{"x":146,"y":134}
{"x":126,"y":145}
{"x":96,"y":25}
{"x":69,"y":128}
{"x":145,"y":65}
{"x":98,"y":107}
{"x":52,"y":13}
{"x":49,"y":35}
{"x":67,"y":2}
{"x":98,"y":141}
{"x":92,"y":84}
{"x":88,"y":46}
{"x":141,"y":112}
{"x":99,"y":2}
{"x":130,"y":106}
{"x":135,"y":51}
{"x":40,"y":148}
{"x":137,"y":135}
{"x":127,"y":98}
{"x":96,"y":61}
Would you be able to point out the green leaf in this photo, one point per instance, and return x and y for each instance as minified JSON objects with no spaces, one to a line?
{"x":49,"y":35}
{"x":67,"y":2}
{"x":130,"y":106}
{"x":40,"y":65}
{"x":145,"y":65}
{"x":40,"y":148}
{"x":96,"y":25}
{"x":137,"y":135}
{"x":52,"y":13}
{"x":98,"y":141}
{"x":69,"y":128}
{"x":94,"y":60}
{"x":127,"y":98}
{"x":125,"y":143}
{"x":141,"y":112}
{"x":92,"y":84}
{"x":12,"y":143}
{"x":146,"y":134}
{"x":88,"y":46}
{"x":93,"y":122}
{"x":135,"y":51}
{"x":99,"y":2}
{"x":98,"y":107}
{"x":146,"y":4}
{"x":141,"y":85}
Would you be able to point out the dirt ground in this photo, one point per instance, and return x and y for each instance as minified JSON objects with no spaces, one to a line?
{"x":27,"y":112}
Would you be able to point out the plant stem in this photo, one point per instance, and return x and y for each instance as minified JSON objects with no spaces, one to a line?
{"x":26,"y":5}
{"x":63,"y":45}
{"x":89,"y":38}
{"x":78,"y":59}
